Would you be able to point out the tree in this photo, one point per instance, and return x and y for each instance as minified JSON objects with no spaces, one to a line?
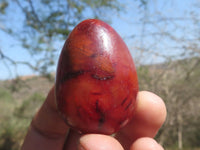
{"x":172,"y":37}
{"x":43,"y":25}
{"x":165,"y":47}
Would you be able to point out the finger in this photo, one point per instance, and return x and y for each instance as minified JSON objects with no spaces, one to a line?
{"x":149,"y":116}
{"x":90,"y":142}
{"x":146,"y":144}
{"x":99,"y":142}
{"x":47,"y":129}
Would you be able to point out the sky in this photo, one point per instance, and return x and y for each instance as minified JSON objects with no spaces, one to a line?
{"x":127,"y":24}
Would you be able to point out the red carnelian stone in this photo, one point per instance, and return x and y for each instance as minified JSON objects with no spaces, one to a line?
{"x":96,"y":82}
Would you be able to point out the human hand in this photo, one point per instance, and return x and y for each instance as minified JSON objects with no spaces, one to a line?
{"x":48,"y":131}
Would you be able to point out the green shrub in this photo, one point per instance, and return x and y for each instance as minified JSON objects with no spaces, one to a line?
{"x":29,"y":106}
{"x":15,"y":119}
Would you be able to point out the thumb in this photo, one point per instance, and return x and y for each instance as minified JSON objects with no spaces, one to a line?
{"x":98,"y":142}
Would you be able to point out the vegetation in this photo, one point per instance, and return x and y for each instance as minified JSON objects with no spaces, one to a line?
{"x":165,"y":47}
{"x":43,"y":24}
{"x":180,"y":92}
{"x":18,"y":110}
{"x":181,"y":98}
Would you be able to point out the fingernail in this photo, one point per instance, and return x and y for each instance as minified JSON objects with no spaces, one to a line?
{"x":99,"y":142}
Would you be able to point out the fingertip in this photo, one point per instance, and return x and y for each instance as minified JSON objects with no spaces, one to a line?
{"x":146,"y":143}
{"x":98,"y":142}
{"x":151,"y":108}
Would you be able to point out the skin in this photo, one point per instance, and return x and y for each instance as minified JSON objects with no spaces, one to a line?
{"x":48,"y":131}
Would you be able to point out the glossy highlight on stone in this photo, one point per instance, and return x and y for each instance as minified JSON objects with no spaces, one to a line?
{"x":96,"y":81}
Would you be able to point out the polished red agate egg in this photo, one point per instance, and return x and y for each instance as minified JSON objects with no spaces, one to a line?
{"x":96,"y":81}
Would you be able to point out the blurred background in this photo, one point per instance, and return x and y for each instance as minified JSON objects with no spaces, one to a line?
{"x":163,"y":37}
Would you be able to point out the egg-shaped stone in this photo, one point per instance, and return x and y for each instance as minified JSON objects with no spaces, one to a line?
{"x":96,"y":80}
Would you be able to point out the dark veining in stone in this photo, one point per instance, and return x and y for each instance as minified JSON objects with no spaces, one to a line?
{"x":128,"y":105}
{"x":109,"y":77}
{"x":96,"y":93}
{"x":100,"y":112}
{"x":74,"y":74}
{"x":123,"y":102}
